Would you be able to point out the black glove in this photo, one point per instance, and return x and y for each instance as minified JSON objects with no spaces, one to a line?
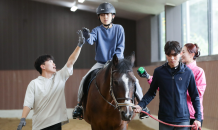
{"x":143,"y":75}
{"x":86,"y":32}
{"x":81,"y":38}
{"x":22,"y":123}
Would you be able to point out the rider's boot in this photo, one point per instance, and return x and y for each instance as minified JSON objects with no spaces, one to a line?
{"x":78,"y":112}
{"x":143,"y":115}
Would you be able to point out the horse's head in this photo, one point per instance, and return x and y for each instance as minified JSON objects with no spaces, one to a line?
{"x":123,"y":85}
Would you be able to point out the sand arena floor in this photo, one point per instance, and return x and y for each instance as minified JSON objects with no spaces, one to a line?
{"x":11,"y":124}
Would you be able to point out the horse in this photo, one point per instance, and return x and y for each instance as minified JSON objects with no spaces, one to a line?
{"x":108,"y":103}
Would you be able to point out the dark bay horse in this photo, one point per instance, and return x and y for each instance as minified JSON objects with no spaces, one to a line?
{"x":107,"y":106}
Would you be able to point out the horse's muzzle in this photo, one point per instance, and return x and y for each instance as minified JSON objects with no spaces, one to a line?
{"x":126,"y":115}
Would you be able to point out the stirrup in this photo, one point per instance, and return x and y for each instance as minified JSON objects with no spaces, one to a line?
{"x":78,"y":112}
{"x":143,"y":115}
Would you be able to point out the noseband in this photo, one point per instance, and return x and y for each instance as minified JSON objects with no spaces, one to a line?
{"x":117,"y":105}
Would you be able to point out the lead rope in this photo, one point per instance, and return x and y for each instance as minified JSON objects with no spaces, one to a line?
{"x":193,"y":126}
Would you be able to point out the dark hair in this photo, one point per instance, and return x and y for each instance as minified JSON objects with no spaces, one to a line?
{"x":193,"y":48}
{"x":172,"y":46}
{"x":41,"y":60}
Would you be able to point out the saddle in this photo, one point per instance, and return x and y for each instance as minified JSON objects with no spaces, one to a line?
{"x":88,"y":80}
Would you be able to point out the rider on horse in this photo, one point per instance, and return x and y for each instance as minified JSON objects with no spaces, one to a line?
{"x":110,"y":40}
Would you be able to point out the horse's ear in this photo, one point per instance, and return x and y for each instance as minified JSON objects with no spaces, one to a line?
{"x":132,"y":58}
{"x":115,"y":60}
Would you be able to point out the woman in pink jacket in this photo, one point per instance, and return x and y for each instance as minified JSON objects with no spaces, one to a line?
{"x":189,"y":54}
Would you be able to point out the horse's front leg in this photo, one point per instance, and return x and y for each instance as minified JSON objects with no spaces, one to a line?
{"x":124,"y":126}
{"x":96,"y":127}
{"x":92,"y":127}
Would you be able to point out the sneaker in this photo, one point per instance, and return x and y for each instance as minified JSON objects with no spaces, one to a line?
{"x":78,"y":112}
{"x":143,"y":115}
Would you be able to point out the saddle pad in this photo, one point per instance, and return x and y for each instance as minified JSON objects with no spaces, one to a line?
{"x":88,"y":80}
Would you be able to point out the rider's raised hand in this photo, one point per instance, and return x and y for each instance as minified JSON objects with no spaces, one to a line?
{"x":22,"y":123}
{"x":86,"y":32}
{"x":81,"y":41}
{"x":143,"y":74}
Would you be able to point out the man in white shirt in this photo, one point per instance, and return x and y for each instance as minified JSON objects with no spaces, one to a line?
{"x":45,"y":94}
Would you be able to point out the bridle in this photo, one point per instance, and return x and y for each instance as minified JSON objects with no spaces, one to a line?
{"x":117,"y":105}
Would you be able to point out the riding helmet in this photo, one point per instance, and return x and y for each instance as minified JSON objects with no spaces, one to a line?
{"x":105,"y":8}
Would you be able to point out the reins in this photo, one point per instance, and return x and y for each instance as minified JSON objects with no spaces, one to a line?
{"x":117,"y":105}
{"x":102,"y":95}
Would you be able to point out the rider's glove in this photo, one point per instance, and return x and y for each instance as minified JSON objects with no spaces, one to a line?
{"x":86,"y":33}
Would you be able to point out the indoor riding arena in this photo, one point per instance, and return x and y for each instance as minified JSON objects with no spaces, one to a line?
{"x":31,"y":28}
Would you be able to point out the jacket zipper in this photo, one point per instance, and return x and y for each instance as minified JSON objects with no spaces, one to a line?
{"x":173,"y":83}
{"x":173,"y":98}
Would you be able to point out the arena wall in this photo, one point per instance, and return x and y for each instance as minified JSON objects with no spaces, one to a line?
{"x":13,"y":85}
{"x":29,"y":29}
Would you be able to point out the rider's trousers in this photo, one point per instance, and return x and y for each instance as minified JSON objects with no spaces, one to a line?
{"x":138,"y":92}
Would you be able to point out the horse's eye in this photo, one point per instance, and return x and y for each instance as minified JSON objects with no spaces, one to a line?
{"x":116,"y":82}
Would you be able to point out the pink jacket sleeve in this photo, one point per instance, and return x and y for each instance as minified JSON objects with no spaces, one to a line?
{"x":150,"y":80}
{"x":201,"y":82}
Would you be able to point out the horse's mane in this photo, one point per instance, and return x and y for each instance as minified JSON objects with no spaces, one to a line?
{"x":123,"y":66}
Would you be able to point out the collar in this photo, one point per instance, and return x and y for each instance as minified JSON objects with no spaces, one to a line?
{"x":43,"y":78}
{"x":193,"y":64}
{"x":102,"y":26}
{"x":177,"y":67}
{"x":181,"y":67}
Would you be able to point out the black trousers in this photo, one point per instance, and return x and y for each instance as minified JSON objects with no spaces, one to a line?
{"x":53,"y":127}
{"x":192,"y":121}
